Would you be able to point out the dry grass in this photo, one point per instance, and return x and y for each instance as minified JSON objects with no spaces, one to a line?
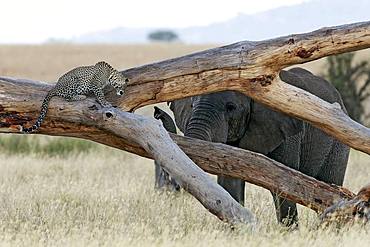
{"x":105,"y":197}
{"x":48,"y":62}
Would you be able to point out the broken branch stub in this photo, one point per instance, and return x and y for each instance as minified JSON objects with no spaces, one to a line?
{"x":345,"y":211}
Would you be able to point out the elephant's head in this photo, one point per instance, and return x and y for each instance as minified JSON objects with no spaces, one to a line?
{"x":233,"y":118}
{"x":218,"y":117}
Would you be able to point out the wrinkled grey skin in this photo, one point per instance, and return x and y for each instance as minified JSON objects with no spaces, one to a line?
{"x":162,"y":178}
{"x":235,"y":119}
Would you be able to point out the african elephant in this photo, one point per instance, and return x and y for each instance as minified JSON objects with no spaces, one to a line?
{"x":235,"y":119}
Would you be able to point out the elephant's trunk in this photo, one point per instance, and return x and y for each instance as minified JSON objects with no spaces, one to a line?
{"x":206,"y":124}
{"x":195,"y":131}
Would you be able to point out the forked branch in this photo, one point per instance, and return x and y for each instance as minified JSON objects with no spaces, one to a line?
{"x":249,"y":67}
{"x":21,"y":100}
{"x":86,"y":119}
{"x":252,"y":68}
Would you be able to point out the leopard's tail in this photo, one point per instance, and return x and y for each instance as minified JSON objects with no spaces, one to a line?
{"x":43,"y":112}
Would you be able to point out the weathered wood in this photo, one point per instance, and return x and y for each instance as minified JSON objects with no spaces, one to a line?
{"x":345,"y":211}
{"x":328,"y":117}
{"x":252,"y":68}
{"x":249,"y":67}
{"x":20,"y":103}
{"x":147,"y":132}
{"x":255,"y":62}
{"x":151,"y":135}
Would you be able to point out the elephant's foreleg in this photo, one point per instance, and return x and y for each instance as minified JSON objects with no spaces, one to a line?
{"x":334,"y":167}
{"x":234,"y":186}
{"x":286,"y":211}
{"x":287,"y":153}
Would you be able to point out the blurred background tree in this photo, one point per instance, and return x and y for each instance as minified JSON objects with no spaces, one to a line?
{"x":352,"y":81}
{"x":163,"y":36}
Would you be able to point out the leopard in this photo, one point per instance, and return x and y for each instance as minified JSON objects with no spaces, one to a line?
{"x":80,"y":82}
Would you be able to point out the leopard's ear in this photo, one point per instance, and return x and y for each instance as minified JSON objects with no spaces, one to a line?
{"x":104,"y":64}
{"x":100,"y":63}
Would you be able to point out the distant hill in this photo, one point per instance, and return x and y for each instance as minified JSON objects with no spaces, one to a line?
{"x":276,"y":22}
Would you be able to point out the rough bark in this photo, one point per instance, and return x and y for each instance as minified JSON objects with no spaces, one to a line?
{"x":233,"y":66}
{"x":154,"y":139}
{"x":86,"y":119}
{"x":249,"y":67}
{"x":345,"y":211}
{"x":20,"y":104}
{"x":252,"y":68}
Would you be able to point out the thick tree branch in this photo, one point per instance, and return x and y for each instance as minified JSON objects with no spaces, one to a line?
{"x":252,"y":68}
{"x":155,"y":140}
{"x":329,"y":117}
{"x":20,"y":103}
{"x":87,"y":120}
{"x":249,"y":67}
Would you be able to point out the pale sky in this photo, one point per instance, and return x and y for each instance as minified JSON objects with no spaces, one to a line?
{"x":33,"y":21}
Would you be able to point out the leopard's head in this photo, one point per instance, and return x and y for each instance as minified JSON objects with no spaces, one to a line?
{"x":118,"y":81}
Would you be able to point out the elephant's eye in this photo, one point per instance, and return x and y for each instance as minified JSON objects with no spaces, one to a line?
{"x":230,"y":107}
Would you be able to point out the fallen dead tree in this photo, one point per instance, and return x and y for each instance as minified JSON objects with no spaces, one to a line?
{"x":253,"y":69}
{"x":249,"y":67}
{"x":87,"y":120}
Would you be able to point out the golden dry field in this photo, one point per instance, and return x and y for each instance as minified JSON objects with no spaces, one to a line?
{"x":67,"y":192}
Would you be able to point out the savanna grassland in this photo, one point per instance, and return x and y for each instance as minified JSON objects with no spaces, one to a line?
{"x":69,"y":192}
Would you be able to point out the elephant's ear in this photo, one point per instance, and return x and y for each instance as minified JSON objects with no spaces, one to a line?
{"x":267,"y":129}
{"x":182,"y":111}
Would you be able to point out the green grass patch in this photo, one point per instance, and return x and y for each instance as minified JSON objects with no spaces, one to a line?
{"x":44,"y":146}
